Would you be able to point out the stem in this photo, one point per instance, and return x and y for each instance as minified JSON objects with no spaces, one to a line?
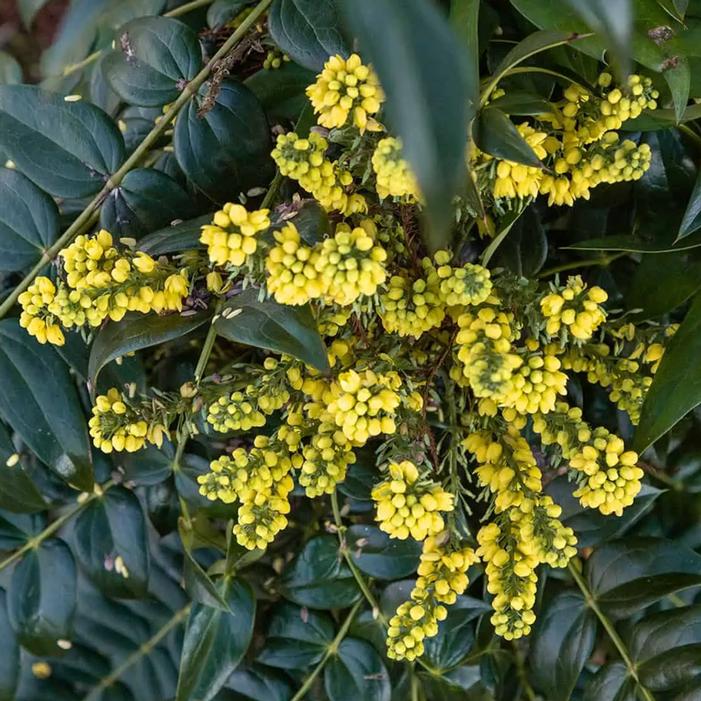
{"x":272,"y":190}
{"x":586,"y":262}
{"x":522,"y":676}
{"x":188,"y":7}
{"x":142,"y":651}
{"x":55,"y":526}
{"x":611,"y":631}
{"x":330,"y":650}
{"x":90,"y":214}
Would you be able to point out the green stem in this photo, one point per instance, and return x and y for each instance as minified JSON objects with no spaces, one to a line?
{"x":584,"y":263}
{"x":332,"y":649}
{"x":272,"y":190}
{"x":54,"y":526}
{"x":522,"y":676}
{"x":90,"y":214}
{"x":644,"y":693}
{"x":188,"y":7}
{"x":142,"y":651}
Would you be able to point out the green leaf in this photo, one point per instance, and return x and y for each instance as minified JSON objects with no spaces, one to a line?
{"x":319,"y":578}
{"x":356,"y":671}
{"x":137,"y":331}
{"x":123,"y":11}
{"x":676,"y":387}
{"x":226,"y":149}
{"x":222,"y":11}
{"x":17,"y":491}
{"x":112,"y":527}
{"x":9,"y":660}
{"x":611,"y":683}
{"x":461,"y":684}
{"x":521,"y":103}
{"x":562,"y":642}
{"x":666,"y":647}
{"x":176,"y":238}
{"x":10,"y":70}
{"x":68,"y":149}
{"x":420,"y":65}
{"x":377,"y":555}
{"x":674,"y":8}
{"x":307,"y":30}
{"x":42,"y":597}
{"x":525,"y":250}
{"x":17,"y":529}
{"x":215,"y":642}
{"x":497,"y":135}
{"x":256,"y":683}
{"x":155,"y":58}
{"x":146,"y":200}
{"x":33,"y":377}
{"x":628,"y":574}
{"x":464,"y":20}
{"x":691,"y":222}
{"x":29,"y":221}
{"x":281,"y":92}
{"x":678,"y":77}
{"x":297,"y":638}
{"x":276,"y":327}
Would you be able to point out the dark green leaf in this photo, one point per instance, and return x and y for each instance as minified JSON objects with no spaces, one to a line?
{"x":281,"y":92}
{"x":674,"y":8}
{"x":123,"y":11}
{"x":215,"y":642}
{"x":112,"y":527}
{"x":145,"y":201}
{"x":17,"y":529}
{"x":522,"y":103}
{"x":692,"y":216}
{"x":33,"y":377}
{"x":378,"y":555}
{"x":174,"y":239}
{"x":69,"y":149}
{"x":562,"y":642}
{"x":421,"y":68}
{"x":356,"y":671}
{"x":224,"y":149}
{"x":307,"y":30}
{"x":9,"y":660}
{"x":256,"y":683}
{"x":461,"y":684}
{"x":136,"y":332}
{"x":42,"y":597}
{"x":525,"y":249}
{"x":297,"y":637}
{"x":676,"y":388}
{"x":10,"y":70}
{"x":628,"y":574}
{"x":497,"y":135}
{"x":319,"y":578}
{"x":17,"y":491}
{"x":276,"y":327}
{"x":678,"y":77}
{"x":464,"y":19}
{"x":611,"y":683}
{"x":222,"y":11}
{"x":155,"y":58}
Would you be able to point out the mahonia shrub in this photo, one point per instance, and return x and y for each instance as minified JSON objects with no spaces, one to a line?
{"x":347,"y":351}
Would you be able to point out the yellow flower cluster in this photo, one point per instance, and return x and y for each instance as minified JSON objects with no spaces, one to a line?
{"x":232,"y":235}
{"x":346,"y":90}
{"x":442,"y":578}
{"x":117,"y":425}
{"x":394,"y":175}
{"x":575,"y":308}
{"x":37,"y":302}
{"x":326,"y":460}
{"x":408,"y":505}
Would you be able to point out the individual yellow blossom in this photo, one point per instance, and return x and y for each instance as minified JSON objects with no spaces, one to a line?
{"x":575,"y":308}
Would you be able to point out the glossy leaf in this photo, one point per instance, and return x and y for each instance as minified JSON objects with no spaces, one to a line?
{"x":10,"y":70}
{"x":319,"y":578}
{"x":281,"y":92}
{"x":496,"y":134}
{"x":154,"y":59}
{"x":562,"y":642}
{"x":112,"y":527}
{"x":215,"y":642}
{"x":42,"y":597}
{"x":9,"y":660}
{"x":224,"y":149}
{"x":611,"y":683}
{"x":176,"y":238}
{"x":628,"y":574}
{"x":33,"y":376}
{"x":137,"y":331}
{"x":17,"y":491}
{"x":356,"y":671}
{"x":276,"y":327}
{"x":307,"y":30}
{"x":68,"y":149}
{"x":256,"y":683}
{"x":378,"y":555}
{"x":420,"y":65}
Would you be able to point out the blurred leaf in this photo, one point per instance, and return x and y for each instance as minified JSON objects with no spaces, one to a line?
{"x":464,"y":20}
{"x":9,"y":660}
{"x":676,"y":387}
{"x":112,"y":527}
{"x":420,"y":65}
{"x":176,"y":238}
{"x":68,"y":149}
{"x":562,"y":642}
{"x":224,"y":148}
{"x":33,"y":377}
{"x":628,"y":574}
{"x":276,"y":327}
{"x":10,"y":70}
{"x":215,"y":642}
{"x":692,"y":216}
{"x":42,"y":597}
{"x":377,"y":555}
{"x":17,"y":491}
{"x":155,"y":59}
{"x":674,"y":8}
{"x":356,"y":671}
{"x":281,"y":92}
{"x":296,"y":638}
{"x":318,"y":577}
{"x":29,"y":8}
{"x":497,"y":135}
{"x":138,"y":331}
{"x":307,"y":30}
{"x":678,"y":77}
